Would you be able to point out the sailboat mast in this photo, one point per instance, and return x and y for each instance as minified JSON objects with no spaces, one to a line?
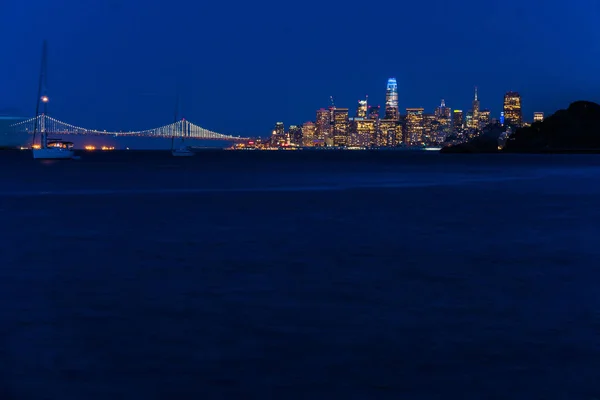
{"x":175,"y":120}
{"x":41,"y":97}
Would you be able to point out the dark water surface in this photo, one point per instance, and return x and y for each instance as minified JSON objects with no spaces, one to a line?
{"x":296,"y":275}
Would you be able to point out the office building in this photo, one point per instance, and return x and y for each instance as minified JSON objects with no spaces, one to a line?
{"x":391,"y":100}
{"x":387,"y":133}
{"x":443,"y":117}
{"x":309,"y":130}
{"x":475,"y":123}
{"x":364,"y":132}
{"x":340,"y":126}
{"x":414,"y":126}
{"x":484,"y":118}
{"x":322,"y":125}
{"x":361,"y":111}
{"x":295,"y":135}
{"x":512,"y":109}
{"x":457,"y":122}
{"x":278,"y":137}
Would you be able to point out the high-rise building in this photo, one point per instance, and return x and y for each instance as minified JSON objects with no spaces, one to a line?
{"x":484,"y":118}
{"x":391,"y":100}
{"x":374,"y":112}
{"x":340,"y":126}
{"x":361,"y":111}
{"x":365,"y":131}
{"x":295,"y":135}
{"x":398,"y":139}
{"x":457,"y":122}
{"x":322,"y":125}
{"x":443,"y":117}
{"x":278,"y":135}
{"x":309,"y":130}
{"x":475,"y":111}
{"x":387,"y":133}
{"x":469,"y":120}
{"x":512,"y":109}
{"x":538,"y":116}
{"x":442,"y":111}
{"x":414,"y":126}
{"x":430,"y":129}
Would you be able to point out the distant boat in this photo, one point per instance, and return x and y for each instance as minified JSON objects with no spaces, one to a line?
{"x":54,"y":149}
{"x":183,"y":150}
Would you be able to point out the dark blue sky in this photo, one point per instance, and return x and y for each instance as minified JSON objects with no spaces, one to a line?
{"x":244,"y":65}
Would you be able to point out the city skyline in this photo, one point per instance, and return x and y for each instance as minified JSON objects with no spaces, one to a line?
{"x":368,"y":127}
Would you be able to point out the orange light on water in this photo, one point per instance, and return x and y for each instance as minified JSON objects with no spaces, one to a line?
{"x":90,"y":148}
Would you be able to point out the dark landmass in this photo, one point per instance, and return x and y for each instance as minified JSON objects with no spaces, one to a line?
{"x":574,"y":130}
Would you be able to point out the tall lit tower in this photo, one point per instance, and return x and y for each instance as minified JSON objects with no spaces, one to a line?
{"x":391,"y":100}
{"x":442,"y":111}
{"x":457,"y":122}
{"x":443,"y":117}
{"x":322,"y":125}
{"x":512,"y":109}
{"x":361,"y":111}
{"x":475,"y":110}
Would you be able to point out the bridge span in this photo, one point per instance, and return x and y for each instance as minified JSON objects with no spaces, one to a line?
{"x":182,"y":128}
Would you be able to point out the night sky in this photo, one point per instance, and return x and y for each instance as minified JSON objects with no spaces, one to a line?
{"x":243,"y":65}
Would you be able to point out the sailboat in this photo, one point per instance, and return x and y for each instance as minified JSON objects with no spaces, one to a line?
{"x":55,"y":149}
{"x":179,"y":126}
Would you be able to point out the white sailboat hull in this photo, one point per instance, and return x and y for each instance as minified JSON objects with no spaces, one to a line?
{"x":53,"y":153}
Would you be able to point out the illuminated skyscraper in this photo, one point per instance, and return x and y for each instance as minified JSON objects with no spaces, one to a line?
{"x":391,"y":100}
{"x":443,"y":119}
{"x":484,"y":118}
{"x":398,"y":138}
{"x":365,"y":131}
{"x":442,"y":111}
{"x":387,"y":133}
{"x":295,"y":135}
{"x":278,"y":135}
{"x":475,"y":112}
{"x":340,"y":126}
{"x":469,"y":120}
{"x":457,"y":122}
{"x":323,"y":124}
{"x":512,"y":109}
{"x":430,"y":129}
{"x":538,"y":116}
{"x":361,"y":111}
{"x":414,"y":126}
{"x":309,"y":134}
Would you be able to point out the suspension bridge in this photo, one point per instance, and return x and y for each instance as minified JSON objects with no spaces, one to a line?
{"x":181,"y":128}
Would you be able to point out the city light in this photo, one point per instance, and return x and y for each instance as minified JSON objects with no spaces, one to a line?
{"x":334,"y":128}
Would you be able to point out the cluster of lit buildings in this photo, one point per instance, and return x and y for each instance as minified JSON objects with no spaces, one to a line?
{"x":370,"y":126}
